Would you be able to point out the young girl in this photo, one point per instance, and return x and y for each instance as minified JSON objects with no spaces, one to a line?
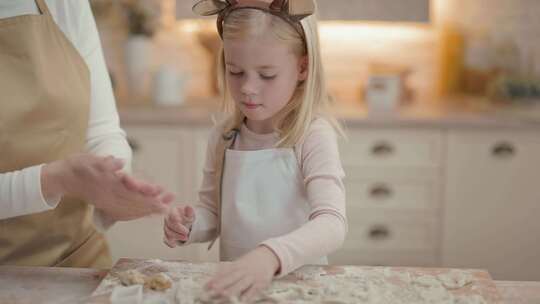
{"x":272,"y":187}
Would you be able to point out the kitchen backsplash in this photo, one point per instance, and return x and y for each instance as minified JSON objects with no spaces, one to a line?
{"x":351,"y":49}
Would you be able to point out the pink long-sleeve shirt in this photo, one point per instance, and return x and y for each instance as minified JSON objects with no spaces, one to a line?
{"x":318,"y":157}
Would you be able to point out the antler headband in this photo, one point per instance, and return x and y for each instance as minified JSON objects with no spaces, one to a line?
{"x":292,"y":11}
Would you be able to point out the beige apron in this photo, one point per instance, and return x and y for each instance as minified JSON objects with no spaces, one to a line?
{"x":263,"y":197}
{"x":44,"y":105}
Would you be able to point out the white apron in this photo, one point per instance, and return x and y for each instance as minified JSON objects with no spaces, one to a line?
{"x":263,"y":197}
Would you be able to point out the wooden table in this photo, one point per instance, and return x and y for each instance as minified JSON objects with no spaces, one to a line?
{"x":25,"y":285}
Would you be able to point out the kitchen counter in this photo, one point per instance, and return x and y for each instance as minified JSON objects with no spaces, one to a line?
{"x":465,"y":113}
{"x":22,"y":285}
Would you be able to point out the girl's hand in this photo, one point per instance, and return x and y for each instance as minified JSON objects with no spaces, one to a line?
{"x":246,"y":277}
{"x":177,"y":225}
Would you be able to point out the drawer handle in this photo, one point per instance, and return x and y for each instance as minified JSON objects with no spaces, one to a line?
{"x":382,"y":149}
{"x":503,"y":150}
{"x":133,"y":144}
{"x":380,"y":192}
{"x":379,"y":233}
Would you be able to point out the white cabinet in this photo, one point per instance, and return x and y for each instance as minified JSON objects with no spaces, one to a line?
{"x":392,"y":148}
{"x":393,"y":197}
{"x":492,"y":203}
{"x":172,"y":157}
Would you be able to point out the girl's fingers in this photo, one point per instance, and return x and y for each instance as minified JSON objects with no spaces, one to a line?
{"x":173,"y":235}
{"x":177,"y":222}
{"x":177,"y":227}
{"x":250,"y":294}
{"x":238,"y":288}
{"x":228,"y":280}
{"x":169,"y":243}
{"x":188,"y":215}
{"x":223,"y":279}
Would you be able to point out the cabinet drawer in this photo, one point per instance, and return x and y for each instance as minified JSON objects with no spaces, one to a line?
{"x":391,"y":193}
{"x":390,"y":147}
{"x":505,"y":150}
{"x":395,"y":230}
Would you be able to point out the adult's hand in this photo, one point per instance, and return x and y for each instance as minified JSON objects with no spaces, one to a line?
{"x":99,"y":181}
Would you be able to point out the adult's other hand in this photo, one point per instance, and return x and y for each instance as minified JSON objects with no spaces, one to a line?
{"x":100,"y":182}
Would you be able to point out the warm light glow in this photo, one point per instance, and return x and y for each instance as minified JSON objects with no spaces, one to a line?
{"x":340,"y":30}
{"x":346,"y":31}
{"x":189,"y":26}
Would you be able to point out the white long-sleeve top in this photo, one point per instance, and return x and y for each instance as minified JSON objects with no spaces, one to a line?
{"x":20,"y":191}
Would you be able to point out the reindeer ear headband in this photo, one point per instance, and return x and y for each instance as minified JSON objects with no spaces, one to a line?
{"x":292,"y":11}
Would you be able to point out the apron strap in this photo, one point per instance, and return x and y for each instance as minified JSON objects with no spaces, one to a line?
{"x":226,"y":141}
{"x":43,"y":8}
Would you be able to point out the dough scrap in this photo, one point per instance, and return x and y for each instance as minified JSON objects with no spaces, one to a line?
{"x":158,"y":282}
{"x":131,"y":277}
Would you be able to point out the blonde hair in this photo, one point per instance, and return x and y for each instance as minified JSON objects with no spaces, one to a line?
{"x":310,"y":98}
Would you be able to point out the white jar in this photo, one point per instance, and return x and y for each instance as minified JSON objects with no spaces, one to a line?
{"x":138,"y":56}
{"x":384,"y":92}
{"x":168,"y":88}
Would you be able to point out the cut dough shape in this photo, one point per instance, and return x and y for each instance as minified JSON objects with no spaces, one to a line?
{"x":131,"y":277}
{"x":159,"y":282}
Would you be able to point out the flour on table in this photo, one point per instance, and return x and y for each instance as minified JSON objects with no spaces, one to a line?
{"x":313,"y":284}
{"x":474,"y":299}
{"x":455,"y":279}
{"x":380,"y":285}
